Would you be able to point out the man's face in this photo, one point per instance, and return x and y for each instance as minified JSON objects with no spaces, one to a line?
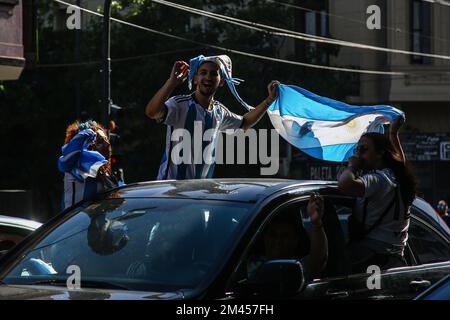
{"x":208,"y":79}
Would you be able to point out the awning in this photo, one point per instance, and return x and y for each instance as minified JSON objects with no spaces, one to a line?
{"x":11,"y":67}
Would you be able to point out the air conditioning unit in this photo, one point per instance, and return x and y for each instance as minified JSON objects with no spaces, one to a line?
{"x":445,"y":150}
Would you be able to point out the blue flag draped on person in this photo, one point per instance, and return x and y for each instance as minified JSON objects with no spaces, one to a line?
{"x":323,"y":128}
{"x":78,"y":160}
{"x":85,"y":162}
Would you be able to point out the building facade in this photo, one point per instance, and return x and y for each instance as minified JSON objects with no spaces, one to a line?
{"x":12,"y":60}
{"x":423,"y":93}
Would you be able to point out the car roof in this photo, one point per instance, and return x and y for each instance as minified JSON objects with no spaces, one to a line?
{"x":19,"y":222}
{"x":242,"y":189}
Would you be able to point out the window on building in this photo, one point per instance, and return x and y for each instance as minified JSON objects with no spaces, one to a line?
{"x":316,"y":23}
{"x":420,"y":30}
{"x":60,"y":18}
{"x":313,"y":21}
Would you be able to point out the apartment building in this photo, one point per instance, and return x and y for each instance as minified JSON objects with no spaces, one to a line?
{"x":423,"y":93}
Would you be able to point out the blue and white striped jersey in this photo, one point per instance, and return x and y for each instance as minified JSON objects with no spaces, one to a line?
{"x":191,"y":138}
{"x":75,"y":190}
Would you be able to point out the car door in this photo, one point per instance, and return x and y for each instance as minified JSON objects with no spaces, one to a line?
{"x":398,"y":283}
{"x":431,"y":249}
{"x":255,"y":248}
{"x":394,"y":284}
{"x":427,"y":253}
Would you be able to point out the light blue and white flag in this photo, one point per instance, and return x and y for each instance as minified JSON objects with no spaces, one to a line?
{"x":78,"y":160}
{"x":323,"y":128}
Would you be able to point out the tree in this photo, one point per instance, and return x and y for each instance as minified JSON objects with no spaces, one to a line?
{"x":37,"y":108}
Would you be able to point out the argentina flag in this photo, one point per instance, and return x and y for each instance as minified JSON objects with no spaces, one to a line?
{"x":323,"y":128}
{"x":78,"y":160}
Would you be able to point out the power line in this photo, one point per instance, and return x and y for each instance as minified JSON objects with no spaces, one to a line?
{"x":297,"y":7}
{"x":441,"y":2}
{"x":406,"y":77}
{"x":293,"y":6}
{"x":243,"y":53}
{"x":75,"y":64}
{"x":294,"y":34}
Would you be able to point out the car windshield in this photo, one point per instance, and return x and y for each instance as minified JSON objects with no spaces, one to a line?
{"x":134,"y":244}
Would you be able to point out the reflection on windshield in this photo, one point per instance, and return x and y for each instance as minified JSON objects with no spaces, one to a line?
{"x":139,"y":244}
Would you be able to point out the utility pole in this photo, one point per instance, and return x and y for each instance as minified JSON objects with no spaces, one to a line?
{"x":78,"y":72}
{"x":106,"y":70}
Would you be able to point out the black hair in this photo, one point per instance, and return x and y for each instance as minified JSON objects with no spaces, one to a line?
{"x":403,"y":171}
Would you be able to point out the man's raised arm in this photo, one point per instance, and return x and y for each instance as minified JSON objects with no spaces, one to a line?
{"x":252,"y":117}
{"x":155,"y":107}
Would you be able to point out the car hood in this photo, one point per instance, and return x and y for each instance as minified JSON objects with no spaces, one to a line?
{"x":25,"y":292}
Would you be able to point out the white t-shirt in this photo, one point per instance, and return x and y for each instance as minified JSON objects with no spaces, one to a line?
{"x":380,"y":188}
{"x":183,"y":112}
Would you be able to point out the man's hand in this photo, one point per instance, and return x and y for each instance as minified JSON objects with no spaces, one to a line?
{"x":253,"y":116}
{"x":155,"y":107}
{"x":315,"y":209}
{"x":180,"y":72}
{"x":272,"y":89}
{"x":317,"y":259}
{"x":396,"y":125}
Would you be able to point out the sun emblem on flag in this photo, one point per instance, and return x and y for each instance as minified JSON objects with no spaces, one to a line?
{"x":351,"y":123}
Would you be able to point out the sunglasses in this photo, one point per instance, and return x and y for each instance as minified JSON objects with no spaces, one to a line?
{"x":440,"y":206}
{"x":361,"y":150}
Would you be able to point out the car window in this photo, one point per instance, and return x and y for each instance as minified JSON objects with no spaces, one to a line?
{"x":10,"y":236}
{"x":140,"y":244}
{"x":268,"y":244}
{"x":427,"y":245}
{"x":282,"y":237}
{"x":426,"y":213}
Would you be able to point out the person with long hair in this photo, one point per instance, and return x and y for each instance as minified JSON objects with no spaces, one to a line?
{"x":85,"y":162}
{"x":385,"y":187}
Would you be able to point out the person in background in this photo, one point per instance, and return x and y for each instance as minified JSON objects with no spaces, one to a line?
{"x":85,"y":162}
{"x":442,"y":209}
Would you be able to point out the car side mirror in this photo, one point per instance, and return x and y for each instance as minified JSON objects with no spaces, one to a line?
{"x":275,"y":279}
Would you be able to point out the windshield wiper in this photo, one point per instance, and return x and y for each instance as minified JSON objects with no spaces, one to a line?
{"x":84,"y":284}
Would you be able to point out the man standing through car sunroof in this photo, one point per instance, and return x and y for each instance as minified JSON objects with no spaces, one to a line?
{"x":187,"y":115}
